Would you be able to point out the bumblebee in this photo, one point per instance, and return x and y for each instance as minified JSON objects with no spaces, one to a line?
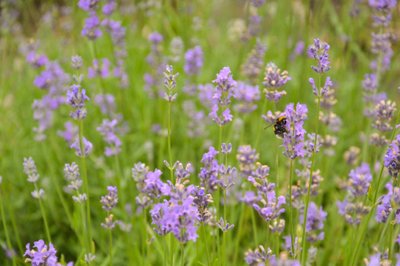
{"x":280,"y":126}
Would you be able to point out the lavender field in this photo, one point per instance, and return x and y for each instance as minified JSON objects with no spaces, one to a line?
{"x":207,"y":133}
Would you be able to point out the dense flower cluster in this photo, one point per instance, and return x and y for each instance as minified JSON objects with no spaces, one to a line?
{"x":247,"y":97}
{"x":108,"y":130}
{"x":72,"y":175}
{"x":209,"y":171}
{"x":221,"y":99}
{"x":53,"y":80}
{"x":40,"y":254}
{"x":262,"y":257}
{"x":293,"y":140}
{"x":388,"y":203}
{"x":392,"y":157}
{"x":319,"y":51}
{"x":33,"y":176}
{"x":193,"y":61}
{"x":273,"y":80}
{"x":254,"y":63}
{"x":108,"y":203}
{"x":76,"y":98}
{"x":353,"y":208}
{"x":314,"y":222}
{"x":178,"y":214}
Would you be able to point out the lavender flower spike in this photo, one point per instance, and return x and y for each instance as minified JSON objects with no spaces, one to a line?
{"x":170,"y":83}
{"x":392,"y":157}
{"x":221,"y":99}
{"x":293,"y":140}
{"x":76,"y":97}
{"x":110,"y":200}
{"x":40,"y":254}
{"x":319,"y":51}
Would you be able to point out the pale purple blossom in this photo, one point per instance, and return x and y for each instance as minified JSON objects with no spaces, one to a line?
{"x":97,"y":70}
{"x":193,"y":61}
{"x":41,"y":254}
{"x":108,"y":130}
{"x":225,"y":84}
{"x":87,"y":147}
{"x":293,"y":140}
{"x":319,"y":51}
{"x":314,"y":222}
{"x":91,"y":28}
{"x":76,"y":97}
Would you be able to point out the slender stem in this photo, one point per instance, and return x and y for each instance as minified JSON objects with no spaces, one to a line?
{"x":224,"y":233}
{"x":3,"y":218}
{"x":253,"y":222}
{"x":55,"y":183}
{"x":391,"y":227}
{"x":182,"y":254}
{"x":203,"y":226}
{"x":291,"y":222}
{"x":169,"y":142}
{"x":83,"y":239}
{"x":239,"y":234}
{"x":85,"y":185}
{"x":259,"y":124}
{"x":171,"y":249}
{"x":46,"y":226}
{"x":111,"y":246}
{"x":303,"y":239}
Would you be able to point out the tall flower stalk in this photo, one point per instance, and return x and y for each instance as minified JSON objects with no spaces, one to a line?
{"x":3,"y":219}
{"x":76,"y":98}
{"x":318,"y":51}
{"x":170,"y":96}
{"x":293,"y":143}
{"x":33,"y":177}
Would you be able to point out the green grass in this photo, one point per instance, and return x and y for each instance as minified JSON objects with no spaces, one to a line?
{"x":284,"y":23}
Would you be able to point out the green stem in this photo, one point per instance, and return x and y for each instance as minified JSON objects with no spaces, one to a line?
{"x":392,"y":223}
{"x":182,"y":254}
{"x":55,"y":183}
{"x":46,"y":226}
{"x":224,"y":233}
{"x":83,"y":239}
{"x":303,"y":239}
{"x":171,"y":171}
{"x":111,"y":246}
{"x":291,"y":222}
{"x":3,"y":218}
{"x":239,"y":234}
{"x":253,"y":222}
{"x":85,"y":185}
{"x":203,"y":226}
{"x":259,"y":124}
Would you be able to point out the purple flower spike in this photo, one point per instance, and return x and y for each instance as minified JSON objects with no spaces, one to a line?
{"x":76,"y":97}
{"x":392,"y":157}
{"x":360,"y":179}
{"x":221,"y":99}
{"x":92,"y":27}
{"x":110,"y":200}
{"x":314,"y":222}
{"x":319,"y":51}
{"x":87,"y":147}
{"x":293,"y":140}
{"x":193,"y":61}
{"x":40,"y":254}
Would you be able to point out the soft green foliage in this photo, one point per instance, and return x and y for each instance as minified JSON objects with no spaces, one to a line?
{"x":284,"y":23}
